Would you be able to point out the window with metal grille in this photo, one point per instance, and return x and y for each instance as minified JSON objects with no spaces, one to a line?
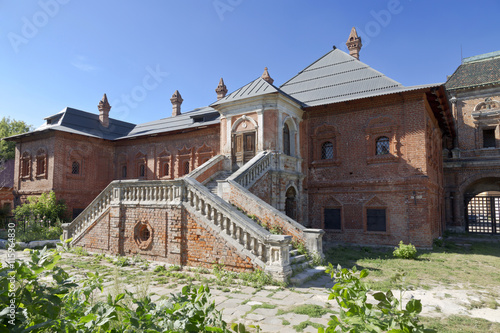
{"x":75,"y":168}
{"x":489,"y":140}
{"x":186,"y":168}
{"x":375,"y":220}
{"x":124,"y":171}
{"x":332,"y":218}
{"x":142,"y":170}
{"x":144,"y":233}
{"x":382,"y":146}
{"x":327,"y":151}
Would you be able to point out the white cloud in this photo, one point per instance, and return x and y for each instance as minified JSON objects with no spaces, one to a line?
{"x":81,"y":63}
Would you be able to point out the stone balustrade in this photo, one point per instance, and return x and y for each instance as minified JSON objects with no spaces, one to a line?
{"x":124,"y":192}
{"x":252,"y":170}
{"x":270,"y":251}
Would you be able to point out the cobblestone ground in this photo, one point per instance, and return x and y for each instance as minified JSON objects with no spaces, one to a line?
{"x":272,"y":308}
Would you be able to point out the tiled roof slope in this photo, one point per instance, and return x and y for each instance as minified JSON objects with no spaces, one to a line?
{"x":476,"y":71}
{"x":337,"y":77}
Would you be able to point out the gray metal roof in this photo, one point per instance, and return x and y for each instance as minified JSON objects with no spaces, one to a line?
{"x":84,"y":123}
{"x":199,"y":117}
{"x":255,"y":88}
{"x":337,"y":77}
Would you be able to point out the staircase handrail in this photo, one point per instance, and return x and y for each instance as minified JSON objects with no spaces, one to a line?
{"x":253,"y":169}
{"x":271,"y":251}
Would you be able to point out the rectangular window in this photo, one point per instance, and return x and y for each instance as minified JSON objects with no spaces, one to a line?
{"x":332,"y":218}
{"x":375,"y":220}
{"x":489,"y":138}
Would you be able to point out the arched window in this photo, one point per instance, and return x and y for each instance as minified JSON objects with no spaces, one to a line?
{"x":124,"y":171}
{"x":75,"y":168}
{"x":291,"y":203}
{"x":382,"y":146}
{"x":186,"y":168}
{"x":166,"y":169}
{"x":327,"y":151}
{"x":286,"y":139}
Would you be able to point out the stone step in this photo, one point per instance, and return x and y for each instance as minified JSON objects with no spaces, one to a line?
{"x":307,"y":275}
{"x":298,"y":258}
{"x":212,"y":185}
{"x":299,"y":266}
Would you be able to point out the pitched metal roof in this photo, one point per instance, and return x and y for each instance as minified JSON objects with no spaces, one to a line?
{"x":257,"y":87}
{"x":476,"y":71}
{"x":84,"y":123}
{"x":199,"y":117}
{"x":337,"y":77}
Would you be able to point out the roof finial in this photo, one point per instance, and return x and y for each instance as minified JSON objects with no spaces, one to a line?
{"x":354,"y":43}
{"x":221,"y":89}
{"x":176,"y":103}
{"x":266,"y":77}
{"x":104,"y":108}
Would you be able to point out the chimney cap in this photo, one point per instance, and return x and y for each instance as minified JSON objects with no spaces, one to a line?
{"x":104,"y":104}
{"x":221,"y":89}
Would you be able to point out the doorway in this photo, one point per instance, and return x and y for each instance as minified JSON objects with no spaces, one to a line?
{"x":243,"y":148}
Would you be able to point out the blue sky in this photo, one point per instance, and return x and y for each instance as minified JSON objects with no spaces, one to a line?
{"x":58,"y":53}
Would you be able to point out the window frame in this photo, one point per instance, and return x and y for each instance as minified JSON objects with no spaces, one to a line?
{"x":367,"y":216}
{"x":41,"y":162}
{"x":25,"y":166}
{"x":339,"y":209}
{"x":323,"y":134}
{"x":376,"y":129}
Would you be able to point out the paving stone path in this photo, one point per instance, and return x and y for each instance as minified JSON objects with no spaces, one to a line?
{"x":274,"y":309}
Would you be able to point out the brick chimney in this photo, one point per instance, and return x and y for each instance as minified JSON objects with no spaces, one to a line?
{"x":221,"y":89}
{"x":104,"y":108}
{"x":176,"y":103}
{"x":354,"y":43}
{"x":266,"y":77}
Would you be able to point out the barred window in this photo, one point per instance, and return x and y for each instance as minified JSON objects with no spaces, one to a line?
{"x":186,"y":168}
{"x":327,"y":151}
{"x":382,"y":145}
{"x":75,"y":168}
{"x":144,"y":233}
{"x":375,"y":220}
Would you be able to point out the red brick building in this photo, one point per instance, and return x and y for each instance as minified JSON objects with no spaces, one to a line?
{"x":339,"y":147}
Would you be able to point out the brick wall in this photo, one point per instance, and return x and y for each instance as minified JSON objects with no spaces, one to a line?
{"x":357,"y":179}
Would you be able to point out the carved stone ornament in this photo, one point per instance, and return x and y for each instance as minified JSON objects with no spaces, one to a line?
{"x":143,"y":234}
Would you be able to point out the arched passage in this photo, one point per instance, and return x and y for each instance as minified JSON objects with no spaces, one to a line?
{"x":482,"y":206}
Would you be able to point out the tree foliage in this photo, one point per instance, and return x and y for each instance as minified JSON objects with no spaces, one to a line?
{"x":44,"y":209}
{"x":8,"y":128}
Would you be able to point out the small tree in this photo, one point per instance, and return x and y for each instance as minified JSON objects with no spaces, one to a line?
{"x":10,"y":127}
{"x":45,"y":209}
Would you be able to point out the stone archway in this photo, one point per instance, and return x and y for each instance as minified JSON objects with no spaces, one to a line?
{"x":482,"y":206}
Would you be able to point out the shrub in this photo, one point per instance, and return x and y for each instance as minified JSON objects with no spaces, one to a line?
{"x":405,"y":251}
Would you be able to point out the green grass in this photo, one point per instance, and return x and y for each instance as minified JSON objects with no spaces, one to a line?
{"x":311,"y":310}
{"x":455,"y":323}
{"x":300,"y":327}
{"x":448,"y":265}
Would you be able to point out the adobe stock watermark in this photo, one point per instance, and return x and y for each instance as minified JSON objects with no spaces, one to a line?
{"x":150,"y":82}
{"x":381,"y":19}
{"x":31,"y":25}
{"x":11,"y":259}
{"x":223,"y":6}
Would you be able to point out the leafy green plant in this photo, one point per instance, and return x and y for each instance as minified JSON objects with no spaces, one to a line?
{"x":121,"y":261}
{"x":405,"y":251}
{"x":159,"y":269}
{"x":357,"y":315}
{"x":47,"y":299}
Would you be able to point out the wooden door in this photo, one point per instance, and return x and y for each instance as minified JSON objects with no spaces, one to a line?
{"x":243,"y":148}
